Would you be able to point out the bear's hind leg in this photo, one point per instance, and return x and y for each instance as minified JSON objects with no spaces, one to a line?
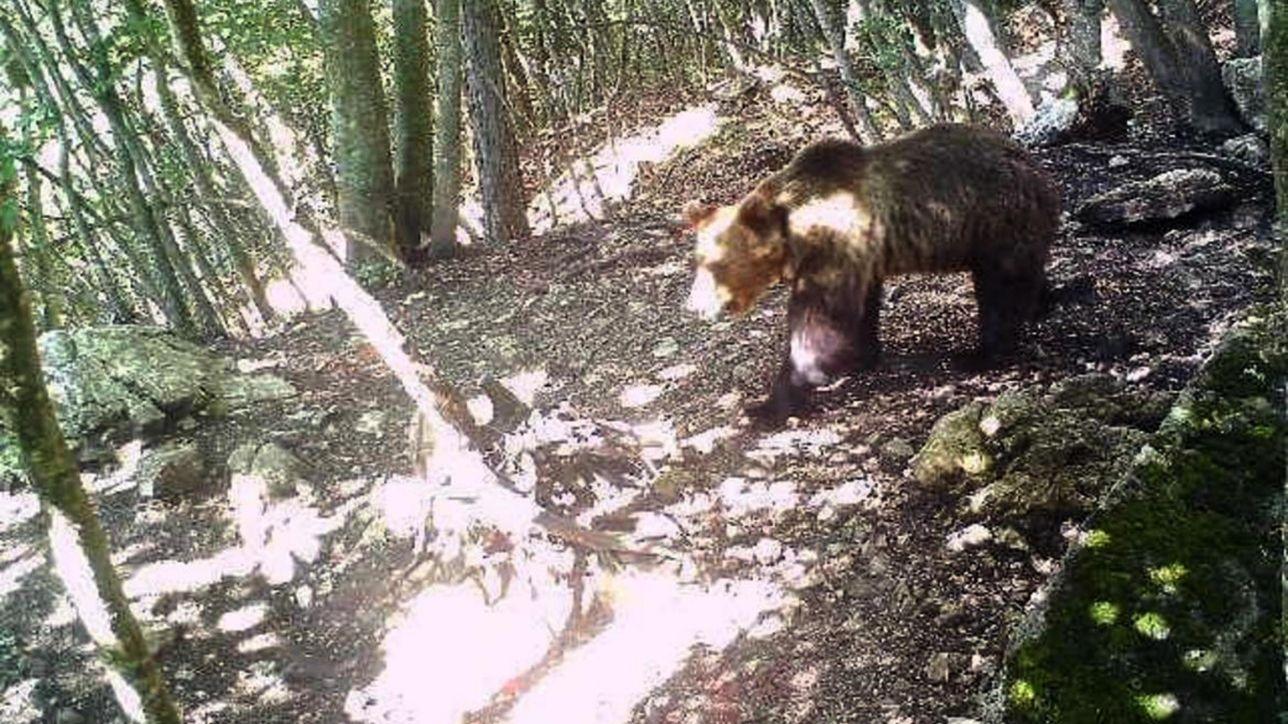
{"x":1006,"y":301}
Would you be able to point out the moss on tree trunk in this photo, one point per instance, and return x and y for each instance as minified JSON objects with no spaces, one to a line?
{"x":25,"y":404}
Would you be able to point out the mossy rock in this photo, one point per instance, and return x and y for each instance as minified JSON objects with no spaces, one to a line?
{"x":1172,"y":607}
{"x":1049,"y":451}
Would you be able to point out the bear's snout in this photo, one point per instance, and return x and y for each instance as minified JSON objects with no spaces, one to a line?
{"x":704,"y":297}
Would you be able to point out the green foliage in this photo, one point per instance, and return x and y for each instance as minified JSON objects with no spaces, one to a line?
{"x":376,"y":273}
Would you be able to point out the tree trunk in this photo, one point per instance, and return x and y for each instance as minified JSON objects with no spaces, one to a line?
{"x":447,"y":165}
{"x":495,"y":151}
{"x":1274,"y":65}
{"x":365,"y":178}
{"x":454,"y":463}
{"x":1176,"y":51}
{"x":413,"y":127}
{"x":1082,"y":40}
{"x":197,"y":165}
{"x":834,"y":34}
{"x":1247,"y":28}
{"x":82,"y":556}
{"x":977,"y":26}
{"x":146,"y":225}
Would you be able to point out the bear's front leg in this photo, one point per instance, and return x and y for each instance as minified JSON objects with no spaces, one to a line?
{"x":820,"y":347}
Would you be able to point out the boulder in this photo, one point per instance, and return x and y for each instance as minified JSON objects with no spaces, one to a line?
{"x":1040,"y":451}
{"x":1242,"y":78}
{"x":1249,"y":148}
{"x":278,"y":468}
{"x":171,"y":471}
{"x":1165,"y":197}
{"x":1097,"y":113}
{"x":128,"y":380}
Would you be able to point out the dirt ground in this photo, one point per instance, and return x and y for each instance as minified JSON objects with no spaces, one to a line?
{"x":885,"y":622}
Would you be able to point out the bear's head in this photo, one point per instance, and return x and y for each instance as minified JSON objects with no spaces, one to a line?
{"x":741,"y":251}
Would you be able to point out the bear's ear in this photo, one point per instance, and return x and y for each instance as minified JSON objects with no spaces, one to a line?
{"x":761,"y":215}
{"x":695,"y":213}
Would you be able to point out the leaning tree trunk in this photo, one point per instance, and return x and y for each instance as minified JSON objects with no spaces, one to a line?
{"x":495,"y":149}
{"x":447,"y":165}
{"x":454,"y":463}
{"x":366,"y":184}
{"x":977,"y":27}
{"x":413,"y":127}
{"x":81,"y":554}
{"x":144,"y":218}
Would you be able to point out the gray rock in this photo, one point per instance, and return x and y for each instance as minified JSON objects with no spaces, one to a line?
{"x":1249,"y":148}
{"x":280,"y":469}
{"x":1052,"y":122}
{"x":1050,"y":451}
{"x":940,"y":667}
{"x":371,"y":422}
{"x":895,"y":453}
{"x":173,"y":470}
{"x":127,"y":380}
{"x":237,"y":392}
{"x":1242,"y":78}
{"x":1164,"y":197}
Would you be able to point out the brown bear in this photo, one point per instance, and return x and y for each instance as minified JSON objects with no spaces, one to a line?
{"x":841,"y":217}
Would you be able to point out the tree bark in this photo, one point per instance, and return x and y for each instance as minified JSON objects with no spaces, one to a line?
{"x":495,"y":150}
{"x":361,"y":128}
{"x":1082,"y":40}
{"x":834,"y":34}
{"x":145,"y":222}
{"x":1274,"y":65}
{"x":977,"y":26}
{"x":82,"y":555}
{"x":1176,"y":51}
{"x":1247,"y":28}
{"x":413,"y":127}
{"x":447,"y":165}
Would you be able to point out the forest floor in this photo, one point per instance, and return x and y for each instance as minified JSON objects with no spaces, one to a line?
{"x":859,"y":610}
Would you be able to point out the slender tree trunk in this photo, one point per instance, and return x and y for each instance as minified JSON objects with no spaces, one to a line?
{"x":79,"y":545}
{"x":365,"y":179}
{"x":413,"y":127}
{"x":39,"y":250}
{"x":496,"y":153}
{"x":453,"y":461}
{"x":146,"y":224}
{"x":197,"y":165}
{"x":447,"y":165}
{"x":834,"y":34}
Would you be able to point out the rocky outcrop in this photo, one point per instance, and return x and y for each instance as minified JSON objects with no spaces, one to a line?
{"x":1165,"y":197}
{"x":1169,"y":606}
{"x":115,"y":382}
{"x":1040,"y":451}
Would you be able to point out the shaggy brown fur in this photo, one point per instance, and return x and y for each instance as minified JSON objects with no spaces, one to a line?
{"x":840,"y":218}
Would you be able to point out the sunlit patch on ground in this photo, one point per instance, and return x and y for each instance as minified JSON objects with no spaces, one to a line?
{"x":610,"y":174}
{"x":452,"y":654}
